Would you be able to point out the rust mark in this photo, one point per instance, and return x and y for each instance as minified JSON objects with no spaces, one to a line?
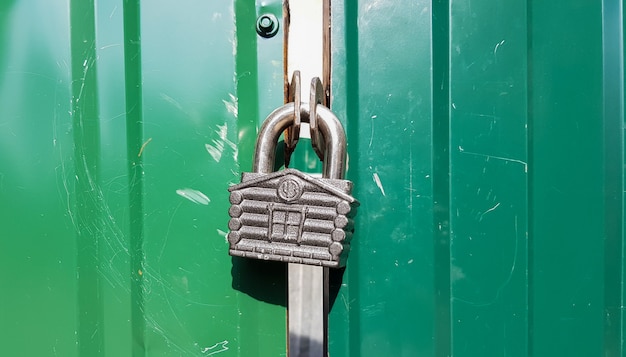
{"x":143,"y":146}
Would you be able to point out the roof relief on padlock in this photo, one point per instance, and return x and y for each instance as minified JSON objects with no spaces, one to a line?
{"x":292,"y":217}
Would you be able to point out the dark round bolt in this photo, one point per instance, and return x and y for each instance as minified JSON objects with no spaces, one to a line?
{"x":267,"y":25}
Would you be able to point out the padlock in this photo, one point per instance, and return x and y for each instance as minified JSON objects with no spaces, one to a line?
{"x":290,"y":216}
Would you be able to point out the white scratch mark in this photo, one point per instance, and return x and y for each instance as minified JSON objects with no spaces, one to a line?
{"x":172,"y":101}
{"x":372,"y":134}
{"x":113,"y":12}
{"x":223,"y":234}
{"x":111,"y":45}
{"x":487,"y":211}
{"x":233,"y":41}
{"x":82,"y":86}
{"x":495,"y":157}
{"x":194,"y":196}
{"x":495,"y":50}
{"x":456,"y":273}
{"x":216,"y":149}
{"x":345,"y":302}
{"x":218,"y":347}
{"x":232,"y":105}
{"x":508,"y":278}
{"x":378,"y":183}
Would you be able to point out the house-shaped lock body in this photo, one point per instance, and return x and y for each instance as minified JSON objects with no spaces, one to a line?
{"x":291,"y":217}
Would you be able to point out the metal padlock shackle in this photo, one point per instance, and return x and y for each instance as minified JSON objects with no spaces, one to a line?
{"x":329,"y":127}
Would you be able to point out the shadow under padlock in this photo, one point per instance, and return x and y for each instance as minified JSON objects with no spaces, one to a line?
{"x":267,"y":280}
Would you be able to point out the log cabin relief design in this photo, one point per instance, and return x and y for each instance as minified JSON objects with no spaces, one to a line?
{"x":291,"y":217}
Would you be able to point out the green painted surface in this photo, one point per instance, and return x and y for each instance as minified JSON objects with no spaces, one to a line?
{"x":120,"y":136}
{"x":38,"y":242}
{"x":381,"y":89}
{"x":573,"y":178}
{"x":487,"y":149}
{"x":486,"y":144}
{"x":488,"y":179}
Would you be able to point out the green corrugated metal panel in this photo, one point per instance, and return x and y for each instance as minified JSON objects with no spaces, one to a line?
{"x":486,"y":146}
{"x":390,"y":303}
{"x":120,"y":136}
{"x":486,"y":143}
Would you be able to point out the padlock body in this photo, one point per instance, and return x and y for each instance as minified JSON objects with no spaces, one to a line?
{"x":291,"y":217}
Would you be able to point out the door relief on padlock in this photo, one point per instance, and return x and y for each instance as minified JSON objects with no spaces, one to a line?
{"x":290,"y":216}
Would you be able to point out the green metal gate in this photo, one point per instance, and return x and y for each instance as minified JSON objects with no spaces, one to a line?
{"x":486,"y":144}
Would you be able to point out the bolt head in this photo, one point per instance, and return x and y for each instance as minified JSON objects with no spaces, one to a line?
{"x":267,"y":25}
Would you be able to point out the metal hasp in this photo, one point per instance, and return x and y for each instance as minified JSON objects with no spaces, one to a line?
{"x":290,"y":216}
